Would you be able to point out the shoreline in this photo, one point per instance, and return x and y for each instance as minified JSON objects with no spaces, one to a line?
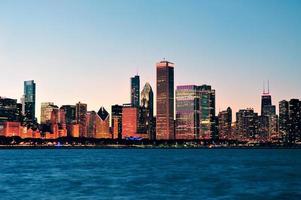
{"x":3,"y":147}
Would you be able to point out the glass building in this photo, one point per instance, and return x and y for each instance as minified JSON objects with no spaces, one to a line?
{"x":207,"y":112}
{"x":29,"y":101}
{"x":135,"y":91}
{"x":187,"y":112}
{"x":165,"y":127}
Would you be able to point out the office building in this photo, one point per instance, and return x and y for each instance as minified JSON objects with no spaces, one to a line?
{"x":165,"y":128}
{"x":135,"y":91}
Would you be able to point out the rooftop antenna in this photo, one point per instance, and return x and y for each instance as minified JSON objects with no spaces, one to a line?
{"x":268,"y":87}
{"x":263,"y":88}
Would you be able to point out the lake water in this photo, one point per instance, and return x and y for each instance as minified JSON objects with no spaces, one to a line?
{"x":150,"y":174}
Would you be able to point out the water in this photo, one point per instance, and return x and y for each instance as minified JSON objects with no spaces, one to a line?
{"x":150,"y":174}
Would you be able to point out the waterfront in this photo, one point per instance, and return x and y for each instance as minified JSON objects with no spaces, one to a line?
{"x":150,"y":174}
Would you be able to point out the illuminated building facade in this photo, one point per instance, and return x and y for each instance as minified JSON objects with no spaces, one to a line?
{"x":284,"y":119}
{"x":46,"y":110}
{"x":129,"y":121}
{"x":91,"y":126}
{"x":207,"y":112}
{"x":187,"y":112}
{"x":165,"y":128}
{"x":294,"y":122}
{"x":225,"y":124}
{"x":247,"y":123}
{"x":80,"y":116}
{"x":102,"y":124}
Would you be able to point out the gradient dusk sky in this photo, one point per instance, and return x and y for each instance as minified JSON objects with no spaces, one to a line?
{"x":88,"y":50}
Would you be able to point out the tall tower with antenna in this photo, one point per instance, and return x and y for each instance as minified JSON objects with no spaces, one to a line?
{"x":266,"y":100}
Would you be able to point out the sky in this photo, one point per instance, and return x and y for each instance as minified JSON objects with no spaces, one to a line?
{"x":87,"y":50}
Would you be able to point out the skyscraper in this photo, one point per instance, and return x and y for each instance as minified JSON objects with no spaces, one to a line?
{"x":187,"y":112}
{"x":80,"y":115}
{"x":147,"y":110}
{"x":117,"y":121}
{"x":29,"y":101}
{"x":294,"y":123}
{"x":283,"y":118}
{"x":225,"y":124}
{"x":247,"y":123}
{"x":91,"y":126}
{"x":268,"y":121}
{"x":46,"y":110}
{"x":103,"y":124}
{"x":130,"y":117}
{"x":9,"y":110}
{"x":207,"y":112}
{"x":165,"y":101}
{"x":135,"y":91}
{"x":70,"y":111}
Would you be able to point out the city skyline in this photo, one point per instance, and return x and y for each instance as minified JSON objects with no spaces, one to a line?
{"x":232,"y":46}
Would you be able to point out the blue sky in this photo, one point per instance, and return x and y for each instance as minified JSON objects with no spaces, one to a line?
{"x":88,"y":50}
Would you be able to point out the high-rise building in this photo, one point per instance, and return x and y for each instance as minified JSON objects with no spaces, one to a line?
{"x":135,"y":91}
{"x":103,"y":124}
{"x":147,"y":110}
{"x":10,"y":110}
{"x":294,"y":123}
{"x":117,"y":121}
{"x":187,"y":112}
{"x":46,"y":110}
{"x":165,"y":127}
{"x":284,"y":119}
{"x":70,"y":111}
{"x":207,"y":112}
{"x":130,"y":117}
{"x":91,"y":126}
{"x":29,"y":101}
{"x":80,"y":116}
{"x":268,"y":121}
{"x":225,"y":124}
{"x":247,"y":123}
{"x":70,"y":118}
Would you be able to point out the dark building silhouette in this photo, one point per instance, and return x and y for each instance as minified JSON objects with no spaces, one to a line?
{"x":268,"y":121}
{"x":147,"y":111}
{"x":29,"y":102}
{"x":225,"y":124}
{"x":116,"y":121}
{"x":165,"y":128}
{"x":135,"y":91}
{"x":294,"y":123}
{"x":70,"y":117}
{"x":10,"y":110}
